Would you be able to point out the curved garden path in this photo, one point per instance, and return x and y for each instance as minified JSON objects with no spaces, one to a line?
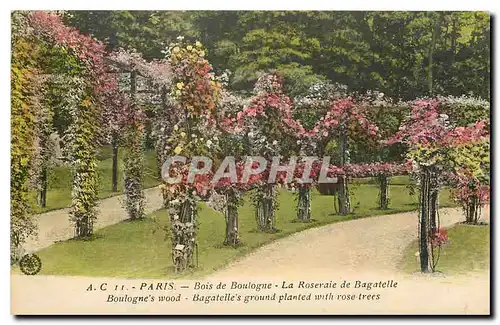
{"x":55,"y":225}
{"x":362,"y":245}
{"x":359,"y":250}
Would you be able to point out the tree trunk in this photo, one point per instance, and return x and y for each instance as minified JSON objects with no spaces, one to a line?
{"x":453,"y":39}
{"x":304,"y":204}
{"x":435,"y":32}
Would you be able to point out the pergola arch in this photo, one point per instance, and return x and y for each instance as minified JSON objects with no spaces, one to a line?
{"x":48,"y":55}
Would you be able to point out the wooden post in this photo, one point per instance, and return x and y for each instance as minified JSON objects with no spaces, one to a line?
{"x":343,"y":198}
{"x":133,"y":87}
{"x":43,"y":190}
{"x":231,"y":214}
{"x":433,"y":210}
{"x":114,"y":144}
{"x":424,"y":218}
{"x":159,"y":149}
{"x":304,"y":204}
{"x":383,"y":191}
{"x":265,"y":209}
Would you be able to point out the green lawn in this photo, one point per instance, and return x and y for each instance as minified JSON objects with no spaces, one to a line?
{"x":59,"y":191}
{"x":134,"y":249}
{"x":395,"y":180}
{"x":468,"y":250}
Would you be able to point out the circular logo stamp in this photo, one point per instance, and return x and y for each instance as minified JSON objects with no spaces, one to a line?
{"x":30,"y":264}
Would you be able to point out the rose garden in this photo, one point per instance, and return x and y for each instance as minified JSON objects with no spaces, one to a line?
{"x":386,"y":156}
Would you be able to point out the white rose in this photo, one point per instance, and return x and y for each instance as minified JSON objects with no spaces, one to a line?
{"x":275,"y":142}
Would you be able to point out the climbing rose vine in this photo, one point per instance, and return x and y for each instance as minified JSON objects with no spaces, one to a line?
{"x":196,"y":91}
{"x":91,"y":85}
{"x":436,"y":148}
{"x":25,"y":82}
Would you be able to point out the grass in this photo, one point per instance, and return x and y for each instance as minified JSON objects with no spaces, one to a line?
{"x":135,"y":249}
{"x":59,"y":189}
{"x":468,"y":250}
{"x":394,"y":180}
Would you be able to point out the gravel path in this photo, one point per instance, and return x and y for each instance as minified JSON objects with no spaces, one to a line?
{"x":361,"y":245}
{"x":55,"y":225}
{"x":365,"y":250}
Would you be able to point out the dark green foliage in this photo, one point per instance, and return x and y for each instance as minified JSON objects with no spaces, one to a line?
{"x":366,"y":50}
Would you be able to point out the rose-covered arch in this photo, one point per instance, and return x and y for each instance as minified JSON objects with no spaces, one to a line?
{"x":25,"y":106}
{"x":343,"y":117}
{"x":143,"y":83}
{"x":91,"y":89}
{"x":440,"y":152}
{"x":270,"y":109}
{"x":195,"y":92}
{"x":62,"y":58}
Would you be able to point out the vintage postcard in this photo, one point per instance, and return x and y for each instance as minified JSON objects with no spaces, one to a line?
{"x":250,"y":162}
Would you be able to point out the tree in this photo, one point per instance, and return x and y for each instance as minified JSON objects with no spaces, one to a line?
{"x":149,"y":32}
{"x":276,"y":42}
{"x":385,"y":51}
